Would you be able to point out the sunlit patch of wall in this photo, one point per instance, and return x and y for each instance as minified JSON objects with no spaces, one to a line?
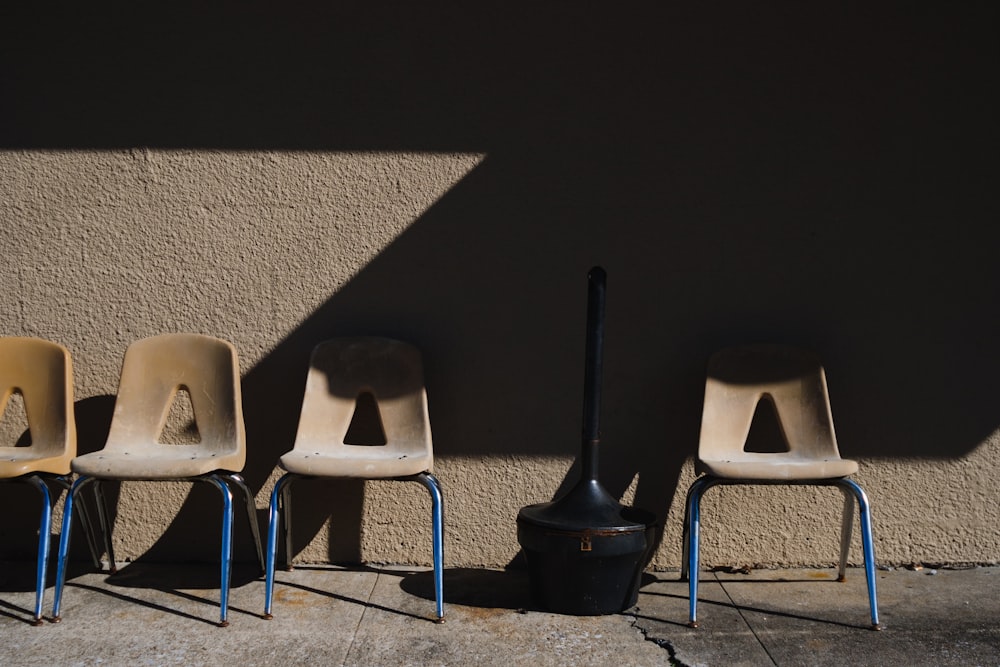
{"x":104,"y":247}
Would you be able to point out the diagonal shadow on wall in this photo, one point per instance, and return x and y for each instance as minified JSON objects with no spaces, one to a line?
{"x":814,"y":176}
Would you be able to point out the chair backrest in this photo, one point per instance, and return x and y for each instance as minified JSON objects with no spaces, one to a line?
{"x":42,"y":373}
{"x":343,"y":369}
{"x":792,"y":379}
{"x":153,"y":372}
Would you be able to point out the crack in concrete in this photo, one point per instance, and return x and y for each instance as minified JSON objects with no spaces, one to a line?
{"x":746,"y":621}
{"x":659,"y":641}
{"x":368,"y":602}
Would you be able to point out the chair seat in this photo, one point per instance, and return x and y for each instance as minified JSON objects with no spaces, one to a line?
{"x":370,"y":463}
{"x":156,"y":462}
{"x":777,"y":467}
{"x":18,"y":461}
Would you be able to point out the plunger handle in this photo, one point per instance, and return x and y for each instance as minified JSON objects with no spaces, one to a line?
{"x":597,"y":281}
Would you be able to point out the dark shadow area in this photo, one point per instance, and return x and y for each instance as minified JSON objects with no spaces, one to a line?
{"x":475,"y":587}
{"x":817,"y":176}
{"x":93,"y":422}
{"x":19,"y":529}
{"x":171,"y":579}
{"x":472,"y":587}
{"x":17,"y":613}
{"x":345,"y":598}
{"x":366,"y":428}
{"x":161,"y":608}
{"x":313,"y":500}
{"x":186,"y":576}
{"x":742,"y":608}
{"x":178,"y":429}
{"x":765,"y":435}
{"x":17,"y":575}
{"x":14,"y":414}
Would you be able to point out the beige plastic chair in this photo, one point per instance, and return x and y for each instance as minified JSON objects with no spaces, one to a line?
{"x":41,"y":372}
{"x":340,"y":372}
{"x":794,"y":382}
{"x":154,"y":370}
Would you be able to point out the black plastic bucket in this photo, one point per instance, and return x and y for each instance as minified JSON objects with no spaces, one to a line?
{"x":587,"y":571}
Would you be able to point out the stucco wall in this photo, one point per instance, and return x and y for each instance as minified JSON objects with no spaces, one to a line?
{"x":817,"y":176}
{"x":105,"y":247}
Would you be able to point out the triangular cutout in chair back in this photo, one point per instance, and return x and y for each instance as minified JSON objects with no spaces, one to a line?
{"x":181,"y":427}
{"x":366,"y":427}
{"x":766,"y":435}
{"x":14,"y":429}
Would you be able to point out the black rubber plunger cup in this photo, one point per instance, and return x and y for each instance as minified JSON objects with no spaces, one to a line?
{"x":585,"y":551}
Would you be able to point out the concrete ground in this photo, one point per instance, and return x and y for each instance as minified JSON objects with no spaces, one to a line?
{"x":166,"y":615}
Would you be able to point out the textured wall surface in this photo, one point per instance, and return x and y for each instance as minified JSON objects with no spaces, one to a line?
{"x":107,"y":247}
{"x":822,"y":176}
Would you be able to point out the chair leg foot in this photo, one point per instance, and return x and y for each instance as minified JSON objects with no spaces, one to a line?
{"x":267,"y":617}
{"x":55,"y":619}
{"x":878,"y":627}
{"x":439,"y":621}
{"x":37,"y":621}
{"x":223,"y":624}
{"x":692,"y":624}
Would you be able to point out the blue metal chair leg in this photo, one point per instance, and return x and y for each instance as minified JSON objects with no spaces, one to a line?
{"x":67,"y":526}
{"x":846,"y":528}
{"x":693,"y":512}
{"x":44,"y":530}
{"x":685,"y":538}
{"x":867,"y":544}
{"x":432,"y":485}
{"x":279,"y":497}
{"x":241,"y":484}
{"x":286,"y":519}
{"x":106,"y":527}
{"x":227,"y":546}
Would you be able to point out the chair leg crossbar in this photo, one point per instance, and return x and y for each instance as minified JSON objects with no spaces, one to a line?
{"x":281,"y":511}
{"x":851,"y":490}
